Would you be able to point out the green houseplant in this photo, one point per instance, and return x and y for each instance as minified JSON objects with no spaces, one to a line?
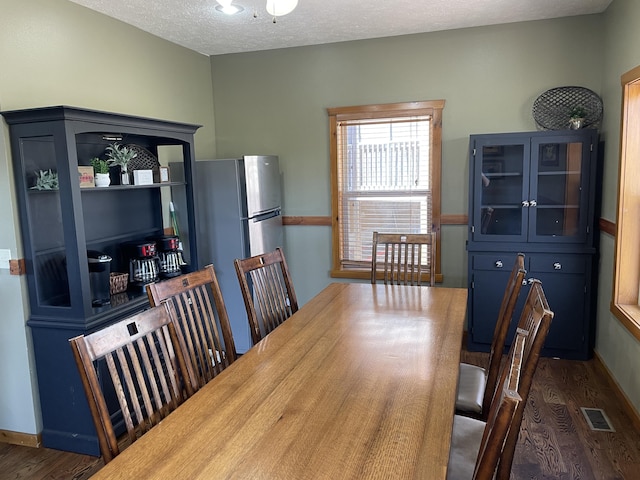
{"x":99,"y":166}
{"x":46,"y":180}
{"x":101,"y":171}
{"x":121,"y":155}
{"x":576,"y":117}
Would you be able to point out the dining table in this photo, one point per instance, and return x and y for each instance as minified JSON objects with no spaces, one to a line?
{"x":360,"y":383}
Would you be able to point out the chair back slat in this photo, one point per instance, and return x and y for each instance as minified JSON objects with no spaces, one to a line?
{"x":147,"y":369}
{"x":399,"y":259}
{"x":200,"y":317}
{"x":267,"y":290}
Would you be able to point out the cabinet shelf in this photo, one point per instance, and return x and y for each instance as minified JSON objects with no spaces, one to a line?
{"x":111,"y":188}
{"x":503,"y":174}
{"x":43,"y":192}
{"x":558,"y":173}
{"x":563,"y":206}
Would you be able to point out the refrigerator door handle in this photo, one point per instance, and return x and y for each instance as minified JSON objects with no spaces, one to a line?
{"x":266,"y":215}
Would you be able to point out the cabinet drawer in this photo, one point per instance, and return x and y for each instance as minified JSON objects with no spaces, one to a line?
{"x":557,"y":263}
{"x":494,"y":261}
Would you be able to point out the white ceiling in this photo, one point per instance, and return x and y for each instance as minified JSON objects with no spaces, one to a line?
{"x":195,"y":24}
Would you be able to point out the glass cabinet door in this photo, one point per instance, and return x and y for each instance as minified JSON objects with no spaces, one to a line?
{"x":558,"y":174}
{"x":501,"y":176}
{"x":48,"y":260}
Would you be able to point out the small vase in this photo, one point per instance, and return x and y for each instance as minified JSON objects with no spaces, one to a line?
{"x":102,"y":180}
{"x":124,"y":177}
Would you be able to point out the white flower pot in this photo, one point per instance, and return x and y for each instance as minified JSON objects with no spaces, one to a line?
{"x":102,"y":180}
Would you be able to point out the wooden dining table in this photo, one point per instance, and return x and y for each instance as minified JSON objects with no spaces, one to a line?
{"x":360,"y":383}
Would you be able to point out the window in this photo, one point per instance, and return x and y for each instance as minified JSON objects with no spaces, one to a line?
{"x":385,"y":176}
{"x":626,"y":288}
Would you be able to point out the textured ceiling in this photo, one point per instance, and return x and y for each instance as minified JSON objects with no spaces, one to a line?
{"x":196,"y":24}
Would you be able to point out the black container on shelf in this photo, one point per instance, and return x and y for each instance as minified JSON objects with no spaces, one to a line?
{"x":99,"y":270}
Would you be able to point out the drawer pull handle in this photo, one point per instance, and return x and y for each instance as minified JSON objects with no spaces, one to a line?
{"x":557,"y":266}
{"x":499,"y":264}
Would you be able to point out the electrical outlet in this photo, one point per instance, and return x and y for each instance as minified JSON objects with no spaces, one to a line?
{"x":5,"y":256}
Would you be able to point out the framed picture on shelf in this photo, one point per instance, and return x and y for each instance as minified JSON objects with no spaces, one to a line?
{"x":549,"y":153}
{"x":85,"y":175}
{"x":164,"y":175}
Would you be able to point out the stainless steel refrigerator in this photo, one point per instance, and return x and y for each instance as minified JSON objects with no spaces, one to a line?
{"x":239,"y":215}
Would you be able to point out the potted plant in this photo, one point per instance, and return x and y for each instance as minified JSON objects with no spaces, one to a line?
{"x":101,"y":171}
{"x":121,"y":155}
{"x":576,"y":117}
{"x":46,"y":180}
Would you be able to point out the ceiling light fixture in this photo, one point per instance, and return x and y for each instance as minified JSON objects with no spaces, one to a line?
{"x":277,"y":8}
{"x":226,"y":7}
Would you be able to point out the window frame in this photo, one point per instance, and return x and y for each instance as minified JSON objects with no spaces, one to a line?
{"x":626,"y":275}
{"x":432,"y":108}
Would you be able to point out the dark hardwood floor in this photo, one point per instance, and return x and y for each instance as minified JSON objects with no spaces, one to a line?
{"x":555,"y":440}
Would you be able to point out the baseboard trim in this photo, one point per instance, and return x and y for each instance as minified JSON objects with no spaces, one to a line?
{"x":18,"y":438}
{"x":626,"y":403}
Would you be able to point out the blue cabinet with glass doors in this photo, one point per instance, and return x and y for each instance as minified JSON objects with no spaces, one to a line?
{"x":535,"y":193}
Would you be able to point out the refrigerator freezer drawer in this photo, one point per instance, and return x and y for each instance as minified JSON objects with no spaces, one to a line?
{"x":265,"y":235}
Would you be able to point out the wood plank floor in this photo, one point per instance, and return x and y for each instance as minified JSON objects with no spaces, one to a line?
{"x":555,"y":440}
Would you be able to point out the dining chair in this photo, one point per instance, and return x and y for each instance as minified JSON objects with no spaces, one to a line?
{"x":476,"y":385}
{"x":267,"y":289}
{"x":147,"y":368}
{"x":406,"y":258}
{"x":476,"y":446}
{"x":536,"y":320}
{"x":201,"y":320}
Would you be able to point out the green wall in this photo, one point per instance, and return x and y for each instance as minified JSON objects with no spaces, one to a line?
{"x":276,"y":101}
{"x":54,"y":52}
{"x":619,"y":350}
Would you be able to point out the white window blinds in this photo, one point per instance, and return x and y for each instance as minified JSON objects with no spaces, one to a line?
{"x":383,"y":182}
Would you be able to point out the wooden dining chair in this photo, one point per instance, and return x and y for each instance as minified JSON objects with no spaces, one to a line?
{"x":476,"y":385}
{"x":147,"y":368}
{"x":268,"y":293}
{"x":536,"y":320}
{"x":534,"y":325}
{"x":476,"y":446}
{"x":403,"y":259}
{"x":201,"y":320}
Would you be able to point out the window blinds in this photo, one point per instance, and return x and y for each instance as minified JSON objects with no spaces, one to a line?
{"x":384,"y":182}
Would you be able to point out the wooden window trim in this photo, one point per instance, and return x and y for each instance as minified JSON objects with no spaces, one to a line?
{"x":626,"y":276}
{"x":429,"y":107}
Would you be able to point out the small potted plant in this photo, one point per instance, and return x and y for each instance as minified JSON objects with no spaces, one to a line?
{"x":576,"y":118}
{"x":101,"y":171}
{"x":46,"y":180}
{"x":121,"y":155}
